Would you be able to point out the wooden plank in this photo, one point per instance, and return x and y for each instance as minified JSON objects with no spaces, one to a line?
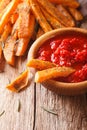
{"x":72,"y":111}
{"x":12,"y":119}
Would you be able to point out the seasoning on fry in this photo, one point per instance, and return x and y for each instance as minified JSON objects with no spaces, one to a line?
{"x":70,"y":3}
{"x":51,"y":73}
{"x":76,"y":14}
{"x":7,"y":14}
{"x":19,"y":83}
{"x":40,"y":64}
{"x":39,"y":16}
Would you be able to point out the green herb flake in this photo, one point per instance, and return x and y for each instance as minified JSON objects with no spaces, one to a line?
{"x":49,"y":111}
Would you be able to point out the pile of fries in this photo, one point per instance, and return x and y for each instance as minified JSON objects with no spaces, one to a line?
{"x":18,"y":19}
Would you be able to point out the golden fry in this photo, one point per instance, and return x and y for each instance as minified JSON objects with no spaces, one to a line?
{"x":7,"y":31}
{"x":70,"y":3}
{"x":19,"y":83}
{"x":76,"y":14}
{"x":24,"y":17}
{"x":52,"y":21}
{"x":4,"y":10}
{"x":5,"y":18}
{"x":21,"y":46}
{"x":24,"y":41}
{"x":39,"y":16}
{"x":51,"y":9}
{"x":3,"y":4}
{"x":40,"y":64}
{"x":51,"y":73}
{"x":67,"y":14}
{"x":9,"y":50}
{"x":3,"y":38}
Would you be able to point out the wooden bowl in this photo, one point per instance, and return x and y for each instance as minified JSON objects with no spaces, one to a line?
{"x":56,"y":86}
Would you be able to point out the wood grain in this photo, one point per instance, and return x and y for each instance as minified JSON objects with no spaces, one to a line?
{"x":12,"y":119}
{"x":72,"y":111}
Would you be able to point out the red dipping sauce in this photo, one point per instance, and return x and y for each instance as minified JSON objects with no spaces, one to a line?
{"x":68,"y":51}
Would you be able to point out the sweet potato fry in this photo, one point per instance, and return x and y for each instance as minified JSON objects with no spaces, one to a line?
{"x":24,"y":41}
{"x":3,"y":38}
{"x":5,"y":18}
{"x":4,"y":10}
{"x":70,"y":3}
{"x":51,"y":9}
{"x":51,"y":73}
{"x":3,"y":4}
{"x":21,"y":46}
{"x":67,"y":14}
{"x":9,"y":50}
{"x":52,"y":21}
{"x":39,"y":16}
{"x":39,"y":33}
{"x":7,"y":31}
{"x":40,"y":64}
{"x":19,"y":83}
{"x":24,"y":19}
{"x":76,"y":14}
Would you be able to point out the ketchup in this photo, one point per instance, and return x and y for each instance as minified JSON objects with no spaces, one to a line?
{"x":70,"y":51}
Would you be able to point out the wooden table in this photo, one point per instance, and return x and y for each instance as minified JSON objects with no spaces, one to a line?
{"x":71,"y":111}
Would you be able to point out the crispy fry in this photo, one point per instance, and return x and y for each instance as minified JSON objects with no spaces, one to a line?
{"x":19,"y":83}
{"x":3,"y":38}
{"x":39,"y":16}
{"x":9,"y":50}
{"x":23,"y":42}
{"x":66,"y":13}
{"x":76,"y":14}
{"x":51,"y":73}
{"x":52,"y":21}
{"x":3,"y":4}
{"x":40,"y":64}
{"x":21,"y":46}
{"x":5,"y":18}
{"x":70,"y":3}
{"x":4,"y":10}
{"x":39,"y":33}
{"x":51,"y":9}
{"x":7,"y":31}
{"x":24,"y":17}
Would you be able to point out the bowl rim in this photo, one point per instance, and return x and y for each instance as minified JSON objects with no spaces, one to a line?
{"x":63,"y":85}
